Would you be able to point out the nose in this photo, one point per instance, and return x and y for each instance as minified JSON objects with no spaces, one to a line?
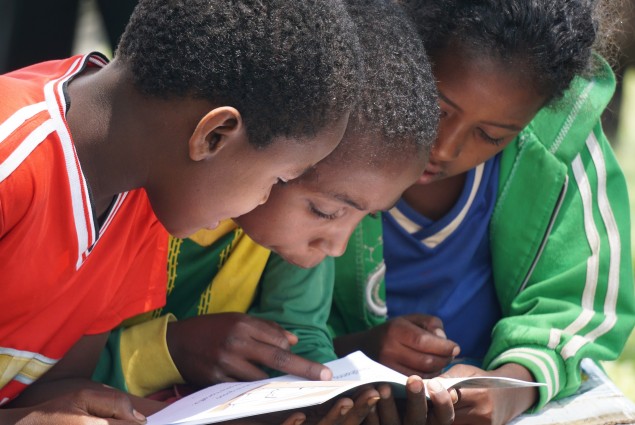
{"x":265,"y":197}
{"x":333,"y":244}
{"x":450,"y":141}
{"x":332,"y":249}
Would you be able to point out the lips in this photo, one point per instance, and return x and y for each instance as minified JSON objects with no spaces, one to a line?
{"x":433,"y":166}
{"x":433,"y":169}
{"x":431,"y":173}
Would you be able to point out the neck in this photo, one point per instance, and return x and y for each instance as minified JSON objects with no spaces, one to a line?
{"x":93,"y":118}
{"x":436,"y":199}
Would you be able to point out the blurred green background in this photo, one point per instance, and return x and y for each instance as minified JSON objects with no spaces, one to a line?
{"x":622,"y":371}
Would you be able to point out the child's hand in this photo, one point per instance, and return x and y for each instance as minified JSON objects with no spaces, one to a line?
{"x":345,"y":411}
{"x":231,"y":346}
{"x":379,"y":407}
{"x":414,"y":410}
{"x":493,"y":406}
{"x":372,"y":406}
{"x":414,"y":344}
{"x":340,"y":411}
{"x":82,"y":407}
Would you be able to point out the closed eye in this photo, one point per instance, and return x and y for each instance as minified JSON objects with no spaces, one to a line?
{"x":322,"y":214}
{"x":489,"y":139}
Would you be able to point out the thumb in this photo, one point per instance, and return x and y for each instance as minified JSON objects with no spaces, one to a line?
{"x":295,"y":418}
{"x":110,"y":404}
{"x":291,"y":338}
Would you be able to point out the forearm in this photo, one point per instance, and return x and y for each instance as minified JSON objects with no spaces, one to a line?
{"x":38,"y":393}
{"x":299,"y":301}
{"x":16,"y":416}
{"x":69,"y":381}
{"x":71,"y":373}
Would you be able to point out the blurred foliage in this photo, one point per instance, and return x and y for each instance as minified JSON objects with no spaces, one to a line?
{"x":622,"y":371}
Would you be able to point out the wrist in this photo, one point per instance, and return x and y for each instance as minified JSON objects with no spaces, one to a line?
{"x":521,"y":398}
{"x":514,"y":370}
{"x":171,"y":337}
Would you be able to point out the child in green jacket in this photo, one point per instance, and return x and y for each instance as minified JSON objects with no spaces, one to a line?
{"x":534,"y":257}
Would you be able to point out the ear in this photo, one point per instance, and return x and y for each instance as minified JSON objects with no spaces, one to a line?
{"x":218,"y":128}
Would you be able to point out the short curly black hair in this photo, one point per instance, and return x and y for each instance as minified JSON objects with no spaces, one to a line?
{"x":551,"y":41}
{"x":398,"y":108}
{"x":289,"y":67}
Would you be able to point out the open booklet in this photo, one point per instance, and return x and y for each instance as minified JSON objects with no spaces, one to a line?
{"x":235,"y":400}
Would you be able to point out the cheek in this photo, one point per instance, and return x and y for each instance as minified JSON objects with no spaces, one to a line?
{"x":265,"y":226}
{"x":478,"y":153}
{"x":491,"y":152}
{"x":297,"y":228}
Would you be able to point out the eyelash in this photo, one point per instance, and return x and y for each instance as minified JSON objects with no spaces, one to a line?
{"x":491,"y":140}
{"x":483,"y":134}
{"x":320,"y":214}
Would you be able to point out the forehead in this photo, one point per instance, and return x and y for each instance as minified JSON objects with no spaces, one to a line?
{"x":367,"y":188}
{"x":487,"y":86}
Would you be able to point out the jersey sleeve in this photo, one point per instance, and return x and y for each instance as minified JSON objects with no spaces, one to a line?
{"x":578,"y":301}
{"x":300,"y":301}
{"x":137,"y":359}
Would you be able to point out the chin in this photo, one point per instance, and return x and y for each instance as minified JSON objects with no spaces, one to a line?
{"x":174,"y":231}
{"x":181,"y":234}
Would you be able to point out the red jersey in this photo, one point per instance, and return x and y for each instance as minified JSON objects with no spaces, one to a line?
{"x":62,"y":275}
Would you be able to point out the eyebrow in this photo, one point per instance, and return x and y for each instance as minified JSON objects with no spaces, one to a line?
{"x":447,"y":100}
{"x":347,"y":200}
{"x":505,"y":126}
{"x":511,"y":127}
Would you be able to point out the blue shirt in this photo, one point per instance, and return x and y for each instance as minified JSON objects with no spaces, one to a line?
{"x":443,"y":268}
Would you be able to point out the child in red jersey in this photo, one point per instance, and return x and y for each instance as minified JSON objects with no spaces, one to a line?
{"x":190,"y":124}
